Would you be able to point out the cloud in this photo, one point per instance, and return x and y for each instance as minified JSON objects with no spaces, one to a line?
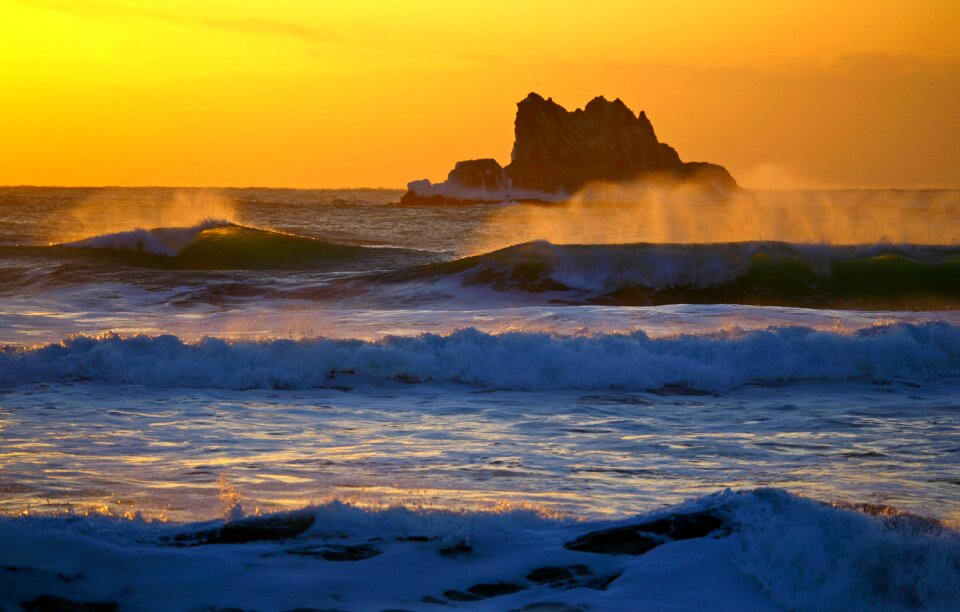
{"x":240,"y":25}
{"x":877,"y":64}
{"x":258,"y":25}
{"x":872,"y":64}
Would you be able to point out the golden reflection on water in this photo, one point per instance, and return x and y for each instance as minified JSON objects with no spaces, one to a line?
{"x":159,"y":506}
{"x":183,"y":455}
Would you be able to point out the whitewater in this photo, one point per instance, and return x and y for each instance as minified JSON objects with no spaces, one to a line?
{"x":319,"y":399}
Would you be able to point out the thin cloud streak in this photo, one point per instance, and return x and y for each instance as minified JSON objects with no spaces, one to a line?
{"x":240,"y":25}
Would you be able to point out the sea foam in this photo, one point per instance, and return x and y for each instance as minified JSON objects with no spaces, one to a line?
{"x":513,"y":360}
{"x":775,"y":550}
{"x":169,"y":241}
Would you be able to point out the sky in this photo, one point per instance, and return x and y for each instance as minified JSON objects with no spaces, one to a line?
{"x":317,"y":93}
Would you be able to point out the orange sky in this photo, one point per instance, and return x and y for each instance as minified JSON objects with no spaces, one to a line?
{"x":315,"y":93}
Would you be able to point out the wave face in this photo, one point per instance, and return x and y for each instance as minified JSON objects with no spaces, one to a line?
{"x":809,"y":556}
{"x":221,"y":245}
{"x":760,"y":273}
{"x":513,"y":360}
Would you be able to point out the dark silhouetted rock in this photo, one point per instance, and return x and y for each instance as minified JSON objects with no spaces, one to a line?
{"x":416,"y":538}
{"x":699,"y":525}
{"x":496,"y":589}
{"x":254,"y":529}
{"x":668,"y":390}
{"x":480,"y":174}
{"x":460,"y":596}
{"x":50,"y":603}
{"x":550,"y":575}
{"x":683,"y":526}
{"x":557,"y":152}
{"x":642,"y":537}
{"x":484,"y":591}
{"x":267,"y":528}
{"x":560,"y":151}
{"x":571,"y":577}
{"x":618,"y":541}
{"x":337,"y":553}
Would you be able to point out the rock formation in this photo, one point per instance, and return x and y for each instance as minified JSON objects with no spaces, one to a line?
{"x":557,"y":152}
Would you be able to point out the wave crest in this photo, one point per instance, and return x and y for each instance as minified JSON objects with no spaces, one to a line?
{"x":221,"y":245}
{"x":168,"y":241}
{"x":512,"y":360}
{"x":763,"y":273}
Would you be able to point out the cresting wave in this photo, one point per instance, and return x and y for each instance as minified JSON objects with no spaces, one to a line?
{"x":512,"y":360}
{"x":869,"y":277}
{"x":222,"y":245}
{"x":168,"y":241}
{"x":759,"y":549}
{"x":761,"y":273}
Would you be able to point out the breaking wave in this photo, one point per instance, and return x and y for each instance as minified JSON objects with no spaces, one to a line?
{"x":221,"y":245}
{"x":760,"y":273}
{"x":810,"y":556}
{"x":168,"y":241}
{"x":867,"y":277}
{"x":512,"y":360}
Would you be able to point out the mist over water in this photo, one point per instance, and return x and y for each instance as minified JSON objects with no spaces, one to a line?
{"x":100,"y":214}
{"x":600,"y":214}
{"x":661,"y":213}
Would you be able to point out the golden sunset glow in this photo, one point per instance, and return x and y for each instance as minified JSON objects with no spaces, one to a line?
{"x":333,"y":94}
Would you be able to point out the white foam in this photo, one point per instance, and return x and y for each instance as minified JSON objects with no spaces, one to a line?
{"x":169,"y":241}
{"x":812,"y":557}
{"x":780,"y":550}
{"x":512,"y":360}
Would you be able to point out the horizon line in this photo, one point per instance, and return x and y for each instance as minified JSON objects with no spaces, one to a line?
{"x":107,"y":186}
{"x":262,"y":187}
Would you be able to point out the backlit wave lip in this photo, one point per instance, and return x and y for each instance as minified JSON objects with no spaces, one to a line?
{"x":515,"y":360}
{"x":168,"y":241}
{"x":222,"y":245}
{"x":870,"y":276}
{"x":865,"y":277}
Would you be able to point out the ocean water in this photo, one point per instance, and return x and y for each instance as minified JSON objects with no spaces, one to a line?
{"x":283,"y":399}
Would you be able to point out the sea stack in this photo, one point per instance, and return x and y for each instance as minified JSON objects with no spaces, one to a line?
{"x":557,"y":152}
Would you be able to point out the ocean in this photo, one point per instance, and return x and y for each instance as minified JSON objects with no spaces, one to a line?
{"x":277,"y":399}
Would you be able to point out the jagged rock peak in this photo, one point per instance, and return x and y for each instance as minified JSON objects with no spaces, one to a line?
{"x":600,"y":103}
{"x":557,"y":152}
